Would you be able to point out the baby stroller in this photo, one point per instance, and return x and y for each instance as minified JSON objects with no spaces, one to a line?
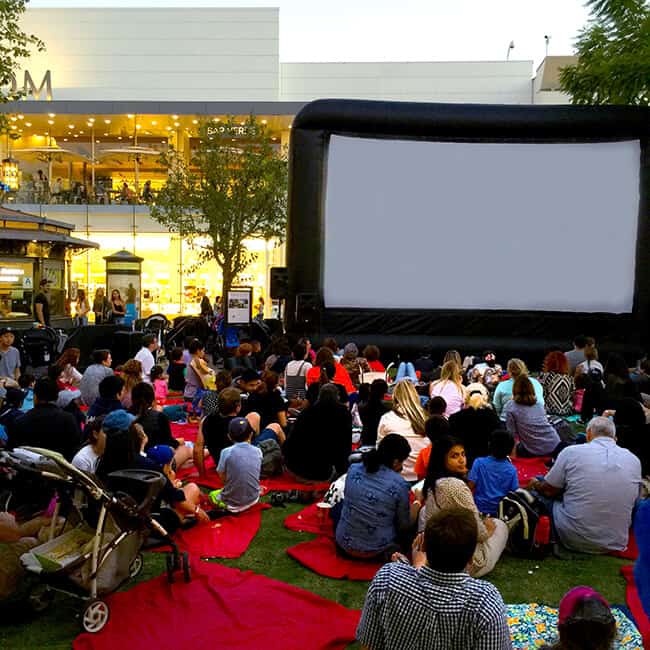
{"x":39,"y":347}
{"x":99,"y":546}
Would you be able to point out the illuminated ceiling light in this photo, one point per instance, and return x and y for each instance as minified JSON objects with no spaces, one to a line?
{"x":76,"y":135}
{"x":90,"y":124}
{"x":50,"y":121}
{"x":107,"y":121}
{"x":21,"y":117}
{"x":130,"y":116}
{"x":97,"y":141}
{"x":216,"y":119}
{"x":242,"y":124}
{"x":28,"y":123}
{"x":71,"y":126}
{"x":169,"y":128}
{"x":13,"y":119}
{"x":81,"y":132}
{"x":177,"y":124}
{"x":105,"y":134}
{"x":264,"y":122}
{"x":138,"y":127}
{"x":65,"y":139}
{"x":119,"y":137}
{"x":52,"y":114}
{"x":195,"y":121}
{"x":153,"y":123}
{"x":91,"y":119}
{"x":174,"y":117}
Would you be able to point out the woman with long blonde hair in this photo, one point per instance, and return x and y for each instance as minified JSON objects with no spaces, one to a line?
{"x":450,"y":387}
{"x":407,"y":418}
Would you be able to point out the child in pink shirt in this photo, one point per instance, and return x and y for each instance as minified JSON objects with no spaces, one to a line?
{"x":159,"y":380}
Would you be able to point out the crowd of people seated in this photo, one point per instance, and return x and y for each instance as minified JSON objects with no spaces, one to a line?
{"x":436,"y":444}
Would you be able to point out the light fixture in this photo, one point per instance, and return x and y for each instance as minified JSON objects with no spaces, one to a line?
{"x":264,"y":122}
{"x":9,"y":173}
{"x":52,"y":114}
{"x":13,"y":118}
{"x":97,"y":141}
{"x":153,"y":123}
{"x":177,"y":124}
{"x":107,"y":121}
{"x":119,"y":137}
{"x":65,"y":139}
{"x":138,"y":127}
{"x":195,"y":121}
{"x":71,"y":126}
{"x":76,"y":135}
{"x":21,"y":117}
{"x":174,"y":117}
{"x":130,"y":116}
{"x":28,"y":123}
{"x":81,"y":132}
{"x":50,"y":121}
{"x":91,"y":119}
{"x":105,"y":134}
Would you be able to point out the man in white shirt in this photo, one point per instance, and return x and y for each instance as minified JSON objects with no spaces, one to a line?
{"x":146,"y":356}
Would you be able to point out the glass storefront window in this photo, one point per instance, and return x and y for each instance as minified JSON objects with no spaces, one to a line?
{"x":16,"y":288}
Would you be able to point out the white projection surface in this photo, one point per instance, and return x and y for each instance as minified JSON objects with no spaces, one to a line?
{"x":449,"y":225}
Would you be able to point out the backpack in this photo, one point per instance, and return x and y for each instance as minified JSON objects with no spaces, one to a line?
{"x":271,"y":459}
{"x":528,"y":525}
{"x":594,"y":374}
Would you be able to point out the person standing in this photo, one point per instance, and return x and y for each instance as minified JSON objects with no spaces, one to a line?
{"x":81,"y":309}
{"x":118,"y":307}
{"x":101,"y":306}
{"x":9,"y":355}
{"x":146,"y":356}
{"x":42,"y":304}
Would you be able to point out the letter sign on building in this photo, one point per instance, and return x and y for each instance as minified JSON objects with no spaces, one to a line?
{"x":29,"y":89}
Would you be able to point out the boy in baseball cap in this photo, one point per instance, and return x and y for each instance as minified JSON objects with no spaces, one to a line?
{"x":239,"y":468}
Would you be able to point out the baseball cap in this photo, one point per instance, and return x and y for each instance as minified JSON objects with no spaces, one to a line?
{"x":118,"y":420}
{"x":160,"y":454}
{"x":239,"y":428}
{"x":597,"y":611}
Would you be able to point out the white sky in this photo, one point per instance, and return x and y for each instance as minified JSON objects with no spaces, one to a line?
{"x":402,"y":30}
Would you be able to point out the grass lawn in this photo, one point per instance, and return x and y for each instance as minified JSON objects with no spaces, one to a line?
{"x":58,"y":626}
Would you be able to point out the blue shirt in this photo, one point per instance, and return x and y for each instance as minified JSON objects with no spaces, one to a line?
{"x":375,"y":507}
{"x":241,"y":463}
{"x":493,"y":479}
{"x":503,"y":394}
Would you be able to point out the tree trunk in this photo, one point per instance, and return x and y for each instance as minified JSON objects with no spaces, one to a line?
{"x":227,"y":282}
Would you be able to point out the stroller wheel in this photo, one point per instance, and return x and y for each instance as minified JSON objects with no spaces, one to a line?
{"x":136,"y":566}
{"x":185,"y":560}
{"x":95,"y":616}
{"x":170,"y":569}
{"x":40,"y":598}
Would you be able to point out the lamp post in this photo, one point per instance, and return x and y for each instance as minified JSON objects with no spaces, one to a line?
{"x":510,"y":47}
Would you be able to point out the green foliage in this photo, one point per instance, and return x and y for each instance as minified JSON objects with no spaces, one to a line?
{"x":613,"y":55}
{"x":233,"y":189}
{"x":15,"y":45}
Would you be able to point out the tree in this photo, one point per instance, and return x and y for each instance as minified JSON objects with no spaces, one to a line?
{"x":613,"y":55}
{"x":234,"y":188}
{"x":15,"y":45}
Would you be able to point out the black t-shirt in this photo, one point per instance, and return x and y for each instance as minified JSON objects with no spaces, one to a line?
{"x":176,"y":376}
{"x":268,"y":406}
{"x":156,"y":426}
{"x":215,"y":434}
{"x":41,"y":299}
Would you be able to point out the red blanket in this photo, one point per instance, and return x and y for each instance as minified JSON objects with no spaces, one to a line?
{"x":634,"y":603}
{"x":229,"y":536}
{"x":186,"y":431}
{"x":311,"y":520}
{"x":528,"y":468}
{"x":320,"y":556}
{"x":221,"y":608}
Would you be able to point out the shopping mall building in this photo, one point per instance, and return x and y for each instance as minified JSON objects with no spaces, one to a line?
{"x":117,"y":86}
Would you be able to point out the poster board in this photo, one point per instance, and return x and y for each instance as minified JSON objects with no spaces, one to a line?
{"x":239,"y":306}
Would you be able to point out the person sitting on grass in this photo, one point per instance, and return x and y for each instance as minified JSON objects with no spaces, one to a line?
{"x":590,"y":492}
{"x":437,"y":406}
{"x":372,"y":411}
{"x":184,"y":499}
{"x":159,"y":380}
{"x":493,"y":476}
{"x":110,"y":394}
{"x":435,"y":604}
{"x":176,"y":370}
{"x":87,"y":458}
{"x":445,"y":487}
{"x":585,"y":620}
{"x":376,"y":518}
{"x":437,"y":426}
{"x":239,"y":469}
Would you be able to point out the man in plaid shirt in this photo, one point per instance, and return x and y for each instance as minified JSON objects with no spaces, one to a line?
{"x":435,"y":605}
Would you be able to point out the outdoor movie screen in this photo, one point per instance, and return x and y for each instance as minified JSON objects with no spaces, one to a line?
{"x":419,"y":224}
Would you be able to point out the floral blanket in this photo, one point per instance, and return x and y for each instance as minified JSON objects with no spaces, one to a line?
{"x":532,"y":626}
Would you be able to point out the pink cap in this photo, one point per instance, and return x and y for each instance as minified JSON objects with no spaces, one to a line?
{"x":573,"y":597}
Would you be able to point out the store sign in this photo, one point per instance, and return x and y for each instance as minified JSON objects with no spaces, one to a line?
{"x":224,"y":129}
{"x":29,"y":89}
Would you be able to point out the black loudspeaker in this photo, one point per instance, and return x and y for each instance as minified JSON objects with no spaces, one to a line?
{"x":308,"y":309}
{"x":125,"y":346}
{"x":279,"y":282}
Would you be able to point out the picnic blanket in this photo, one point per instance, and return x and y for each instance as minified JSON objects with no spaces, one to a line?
{"x":321,"y":557}
{"x":221,"y":608}
{"x":229,"y":536}
{"x":310,"y":520}
{"x":634,"y":603}
{"x":528,"y":468}
{"x":186,"y":431}
{"x":532,"y":625}
{"x":631,"y":551}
